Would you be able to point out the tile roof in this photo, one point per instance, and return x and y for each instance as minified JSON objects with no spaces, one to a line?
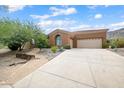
{"x":72,"y":34}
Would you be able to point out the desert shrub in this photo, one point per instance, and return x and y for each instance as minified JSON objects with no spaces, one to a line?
{"x":54,"y":49}
{"x":66,"y":47}
{"x":113,"y":46}
{"x":18,"y":40}
{"x":48,"y":46}
{"x":105,"y":45}
{"x":120,"y":43}
{"x":15,"y":34}
{"x":113,"y":43}
{"x":13,"y":46}
{"x":1,"y":45}
{"x":108,"y":41}
{"x":41,"y":41}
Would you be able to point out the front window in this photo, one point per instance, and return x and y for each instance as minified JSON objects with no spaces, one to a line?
{"x":58,"y":40}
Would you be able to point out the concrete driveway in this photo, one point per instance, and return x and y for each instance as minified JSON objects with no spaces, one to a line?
{"x":89,"y":68}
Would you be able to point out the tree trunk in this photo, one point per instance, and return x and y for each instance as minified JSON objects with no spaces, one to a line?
{"x":21,"y":47}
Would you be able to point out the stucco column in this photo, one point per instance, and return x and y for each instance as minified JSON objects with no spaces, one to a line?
{"x":75,"y":42}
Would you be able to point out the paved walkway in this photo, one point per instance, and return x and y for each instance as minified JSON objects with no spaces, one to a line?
{"x":88,"y":68}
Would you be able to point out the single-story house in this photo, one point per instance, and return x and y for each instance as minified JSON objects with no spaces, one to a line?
{"x":78,"y":39}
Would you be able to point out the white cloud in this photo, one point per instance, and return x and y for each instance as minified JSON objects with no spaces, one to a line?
{"x":98,"y":16}
{"x":56,"y":12}
{"x":92,"y":6}
{"x":50,"y":25}
{"x":73,"y":25}
{"x":100,"y":26}
{"x":80,"y":27}
{"x":45,"y":23}
{"x":65,"y":6}
{"x":66,"y":24}
{"x":107,"y":6}
{"x":67,"y":11}
{"x":114,"y":26}
{"x":53,"y":9}
{"x":14,"y":8}
{"x":122,"y":16}
{"x":119,"y":24}
{"x":40,"y":17}
{"x":55,"y":23}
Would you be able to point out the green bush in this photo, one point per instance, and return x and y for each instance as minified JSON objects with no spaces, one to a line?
{"x":108,"y":41}
{"x":66,"y":47}
{"x":113,"y":43}
{"x":54,"y":49}
{"x":105,"y":45}
{"x":15,"y":34}
{"x":18,"y":40}
{"x":113,"y":46}
{"x":1,"y":46}
{"x":41,"y":41}
{"x":48,"y":46}
{"x":120,"y":43}
{"x":14,"y":46}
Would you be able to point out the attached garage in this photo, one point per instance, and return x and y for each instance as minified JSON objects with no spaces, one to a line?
{"x":89,"y":43}
{"x":78,"y":39}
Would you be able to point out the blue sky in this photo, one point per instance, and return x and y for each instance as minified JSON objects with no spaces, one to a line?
{"x":70,"y":18}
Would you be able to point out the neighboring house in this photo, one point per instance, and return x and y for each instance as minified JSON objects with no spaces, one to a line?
{"x":78,"y":39}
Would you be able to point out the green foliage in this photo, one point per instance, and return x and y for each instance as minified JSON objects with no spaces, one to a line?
{"x":105,"y":45}
{"x":54,"y":49}
{"x":13,"y":46}
{"x":120,"y":43}
{"x":66,"y":47}
{"x":9,"y":27}
{"x":108,"y":41}
{"x":2,"y":46}
{"x":18,"y":40}
{"x":113,"y":43}
{"x":41,"y":41}
{"x":15,"y":34}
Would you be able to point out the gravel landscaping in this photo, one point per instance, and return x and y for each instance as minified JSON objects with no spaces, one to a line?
{"x":119,"y":51}
{"x":11,"y":74}
{"x":49,"y":54}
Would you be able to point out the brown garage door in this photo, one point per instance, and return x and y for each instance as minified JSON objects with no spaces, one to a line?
{"x":89,"y":43}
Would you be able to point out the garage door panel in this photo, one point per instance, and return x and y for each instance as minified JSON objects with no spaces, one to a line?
{"x":89,"y":43}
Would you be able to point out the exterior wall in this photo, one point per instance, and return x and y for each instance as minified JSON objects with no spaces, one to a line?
{"x":64,"y":36}
{"x":70,"y":38}
{"x":71,"y":43}
{"x":101,"y":35}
